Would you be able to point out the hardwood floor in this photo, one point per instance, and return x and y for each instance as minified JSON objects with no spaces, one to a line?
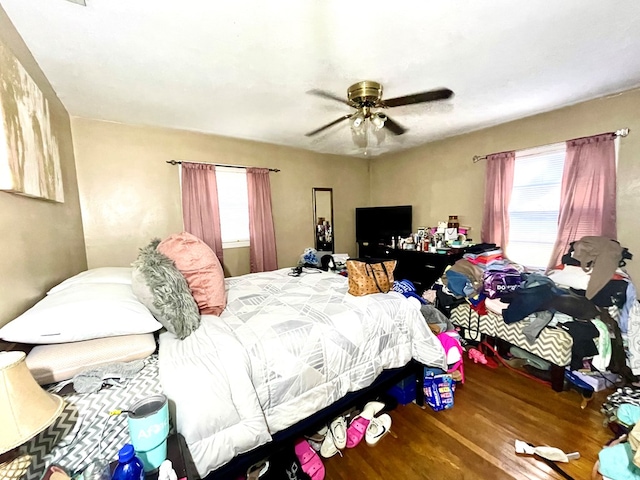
{"x":475,"y":439}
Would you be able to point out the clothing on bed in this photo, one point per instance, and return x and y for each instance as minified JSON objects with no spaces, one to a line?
{"x":526,"y":301}
{"x":91,"y":381}
{"x":583,"y":335}
{"x":600,"y":255}
{"x":435,"y":317}
{"x":539,"y":320}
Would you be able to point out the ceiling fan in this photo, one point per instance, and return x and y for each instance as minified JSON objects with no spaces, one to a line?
{"x":366,"y":96}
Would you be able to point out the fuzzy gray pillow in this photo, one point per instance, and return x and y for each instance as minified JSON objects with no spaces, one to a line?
{"x":161,"y":287}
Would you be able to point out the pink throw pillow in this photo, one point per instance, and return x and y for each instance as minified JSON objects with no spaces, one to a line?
{"x":202,"y":269}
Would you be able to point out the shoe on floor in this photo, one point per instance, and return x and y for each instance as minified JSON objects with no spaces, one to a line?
{"x":371,"y":409}
{"x":378,"y":428}
{"x":317,"y":439}
{"x":309,"y":459}
{"x":328,"y":449}
{"x":358,"y":426}
{"x":257,"y":470}
{"x":318,"y":436}
{"x":338,"y":429}
{"x":356,"y":431}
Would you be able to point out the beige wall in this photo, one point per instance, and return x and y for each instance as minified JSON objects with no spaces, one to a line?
{"x":129,"y":194}
{"x":440,"y":179}
{"x":42,"y":242}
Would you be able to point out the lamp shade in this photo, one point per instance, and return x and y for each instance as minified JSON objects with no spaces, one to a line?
{"x":25,"y":408}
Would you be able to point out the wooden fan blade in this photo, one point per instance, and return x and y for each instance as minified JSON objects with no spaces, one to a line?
{"x":341,"y":119}
{"x":441,"y":94}
{"x":330,"y":96}
{"x":394,"y":127}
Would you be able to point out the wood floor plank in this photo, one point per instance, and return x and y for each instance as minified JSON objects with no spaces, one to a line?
{"x":475,"y":439}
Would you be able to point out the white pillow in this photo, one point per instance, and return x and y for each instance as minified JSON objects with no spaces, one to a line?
{"x":96,"y":275}
{"x":54,"y":363}
{"x":82,"y":312}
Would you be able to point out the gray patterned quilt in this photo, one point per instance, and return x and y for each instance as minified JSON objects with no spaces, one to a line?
{"x":284,"y":348}
{"x":85,"y":431}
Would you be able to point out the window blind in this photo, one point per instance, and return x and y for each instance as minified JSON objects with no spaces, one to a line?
{"x":234,"y":206}
{"x":534,"y":205}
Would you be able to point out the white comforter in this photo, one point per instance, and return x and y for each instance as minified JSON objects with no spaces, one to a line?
{"x":284,"y":348}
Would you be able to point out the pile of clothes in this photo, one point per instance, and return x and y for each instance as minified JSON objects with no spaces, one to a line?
{"x":620,"y":460}
{"x":576,"y":296}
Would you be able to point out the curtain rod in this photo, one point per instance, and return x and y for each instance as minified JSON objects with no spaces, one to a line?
{"x":179,"y":162}
{"x":623,"y":132}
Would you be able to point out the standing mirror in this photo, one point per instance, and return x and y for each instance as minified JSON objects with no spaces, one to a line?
{"x":323,"y":219}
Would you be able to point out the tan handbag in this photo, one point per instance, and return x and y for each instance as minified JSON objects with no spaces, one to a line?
{"x":370,"y":275}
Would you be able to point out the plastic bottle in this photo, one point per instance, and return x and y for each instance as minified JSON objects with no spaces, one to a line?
{"x":129,"y":466}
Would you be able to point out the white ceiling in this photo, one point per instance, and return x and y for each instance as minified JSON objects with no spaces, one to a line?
{"x":242,"y":68}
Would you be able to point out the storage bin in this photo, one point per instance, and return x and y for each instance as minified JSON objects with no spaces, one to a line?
{"x":405,"y":390}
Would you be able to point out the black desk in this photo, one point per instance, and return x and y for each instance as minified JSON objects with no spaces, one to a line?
{"x":422,"y":268}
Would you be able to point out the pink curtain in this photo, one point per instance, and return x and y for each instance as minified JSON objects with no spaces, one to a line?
{"x":497,"y":195}
{"x":588,"y":196}
{"x":200,"y":210}
{"x":262,"y":236}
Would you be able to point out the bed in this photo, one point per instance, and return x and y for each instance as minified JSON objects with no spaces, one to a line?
{"x":283,"y":349}
{"x":282,"y":355}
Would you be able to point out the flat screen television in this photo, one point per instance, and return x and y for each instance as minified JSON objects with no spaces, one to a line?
{"x":379,"y":224}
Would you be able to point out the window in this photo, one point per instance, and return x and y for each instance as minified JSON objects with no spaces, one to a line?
{"x":233,"y":200}
{"x":535,"y":204}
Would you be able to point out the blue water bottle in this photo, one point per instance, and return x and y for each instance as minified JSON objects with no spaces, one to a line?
{"x":129,"y":466}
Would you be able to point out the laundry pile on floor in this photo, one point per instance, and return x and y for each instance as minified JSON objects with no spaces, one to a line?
{"x":620,"y":459}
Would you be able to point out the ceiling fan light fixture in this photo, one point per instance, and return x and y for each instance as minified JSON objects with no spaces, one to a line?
{"x":357,"y":122}
{"x":378,"y":120}
{"x":366,"y":98}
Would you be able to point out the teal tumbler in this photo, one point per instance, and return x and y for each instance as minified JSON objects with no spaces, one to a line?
{"x":148,"y":429}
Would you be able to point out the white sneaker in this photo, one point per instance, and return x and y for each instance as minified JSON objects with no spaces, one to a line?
{"x":328,"y":447}
{"x":338,"y":429}
{"x":378,"y":427}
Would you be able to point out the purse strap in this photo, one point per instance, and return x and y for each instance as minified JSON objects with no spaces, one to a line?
{"x":369,"y":266}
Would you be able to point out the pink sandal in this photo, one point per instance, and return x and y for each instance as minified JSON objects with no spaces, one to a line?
{"x":358,"y":426}
{"x":309,"y":459}
{"x":356,"y":431}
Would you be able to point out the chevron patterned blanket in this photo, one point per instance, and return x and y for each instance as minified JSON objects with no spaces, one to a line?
{"x":85,"y":431}
{"x":553,"y":344}
{"x":284,"y":348}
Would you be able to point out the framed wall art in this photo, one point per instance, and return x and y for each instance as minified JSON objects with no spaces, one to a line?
{"x":29,"y":148}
